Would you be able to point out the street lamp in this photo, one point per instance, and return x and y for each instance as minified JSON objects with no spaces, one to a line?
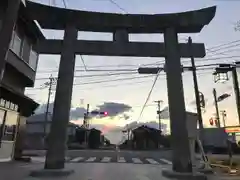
{"x":221,"y":72}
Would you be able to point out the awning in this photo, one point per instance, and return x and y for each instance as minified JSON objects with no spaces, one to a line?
{"x":26,"y":105}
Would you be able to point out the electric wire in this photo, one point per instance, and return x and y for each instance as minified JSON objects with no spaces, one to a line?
{"x":149,"y":95}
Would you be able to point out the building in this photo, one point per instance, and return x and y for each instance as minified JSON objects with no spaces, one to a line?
{"x":144,"y":137}
{"x":19,"y":73}
{"x":35,"y":137}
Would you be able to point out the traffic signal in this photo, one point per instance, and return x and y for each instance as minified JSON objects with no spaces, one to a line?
{"x":105,"y":113}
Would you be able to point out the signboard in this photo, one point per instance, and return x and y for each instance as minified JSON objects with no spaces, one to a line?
{"x":235,"y":129}
{"x":8,"y":105}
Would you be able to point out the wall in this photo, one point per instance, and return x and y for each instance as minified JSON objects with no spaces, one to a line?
{"x":6,"y":150}
{"x":9,"y":130}
{"x":14,"y":79}
{"x":21,"y":55}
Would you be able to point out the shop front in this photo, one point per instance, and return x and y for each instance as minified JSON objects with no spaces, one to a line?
{"x":9,"y":118}
{"x":15,"y":107}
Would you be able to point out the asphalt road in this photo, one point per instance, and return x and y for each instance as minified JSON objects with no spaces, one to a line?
{"x":93,"y":171}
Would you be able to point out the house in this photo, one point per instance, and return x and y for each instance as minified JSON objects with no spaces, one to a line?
{"x":93,"y":138}
{"x":35,"y":136}
{"x":144,"y":137}
{"x":19,"y":60}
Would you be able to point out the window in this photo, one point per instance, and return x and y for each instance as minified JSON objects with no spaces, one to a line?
{"x":16,"y":44}
{"x":2,"y":117}
{"x":26,"y":50}
{"x":33,"y":59}
{"x":2,"y":102}
{"x":10,"y":126}
{"x":7,"y":105}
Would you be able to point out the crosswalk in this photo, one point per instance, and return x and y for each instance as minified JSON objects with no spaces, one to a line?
{"x":134,"y":160}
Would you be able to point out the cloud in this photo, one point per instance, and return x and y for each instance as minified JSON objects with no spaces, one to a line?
{"x":75,"y":113}
{"x":113,"y":108}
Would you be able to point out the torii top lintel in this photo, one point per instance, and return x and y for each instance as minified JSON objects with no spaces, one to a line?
{"x":56,"y":18}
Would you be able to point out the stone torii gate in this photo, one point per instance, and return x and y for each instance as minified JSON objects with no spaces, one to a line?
{"x":72,"y":21}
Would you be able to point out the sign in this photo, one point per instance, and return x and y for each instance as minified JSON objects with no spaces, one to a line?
{"x":235,"y":129}
{"x":8,"y":105}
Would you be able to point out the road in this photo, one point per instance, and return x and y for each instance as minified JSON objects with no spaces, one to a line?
{"x":87,"y":171}
{"x":113,"y":156}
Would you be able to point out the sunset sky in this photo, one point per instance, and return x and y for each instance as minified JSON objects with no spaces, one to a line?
{"x":132,"y":89}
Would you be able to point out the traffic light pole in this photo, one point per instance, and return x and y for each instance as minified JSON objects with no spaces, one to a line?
{"x":86,"y":124}
{"x":159,"y":114}
{"x":196,"y":90}
{"x":216,"y":107}
{"x":87,"y":115}
{"x":236,"y":90}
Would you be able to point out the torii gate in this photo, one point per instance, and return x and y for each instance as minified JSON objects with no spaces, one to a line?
{"x":72,"y":21}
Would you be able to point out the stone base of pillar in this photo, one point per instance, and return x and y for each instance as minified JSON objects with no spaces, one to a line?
{"x":51,"y":173}
{"x":189,"y":176}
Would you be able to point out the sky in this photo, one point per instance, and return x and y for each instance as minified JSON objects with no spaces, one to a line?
{"x":131,"y":90}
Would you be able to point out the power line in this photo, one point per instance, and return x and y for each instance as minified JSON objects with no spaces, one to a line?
{"x":100,"y":66}
{"x":227,"y":47}
{"x":116,"y":4}
{"x":64,"y":3}
{"x":99,"y":75}
{"x":113,"y":80}
{"x":186,"y":61}
{"x":148,"y":96}
{"x":85,"y":67}
{"x":119,"y":80}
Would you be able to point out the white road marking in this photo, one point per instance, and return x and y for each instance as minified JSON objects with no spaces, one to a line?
{"x":151,"y":161}
{"x":106,"y":159}
{"x":121,"y":160}
{"x":91,"y":159}
{"x":77,"y":159}
{"x":137,"y":161}
{"x":166,"y":161}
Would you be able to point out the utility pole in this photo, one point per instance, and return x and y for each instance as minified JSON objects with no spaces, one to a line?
{"x":216,"y":107}
{"x":196,"y":90}
{"x":86,"y":123}
{"x":159,"y":113}
{"x":49,"y":84}
{"x":236,"y":90}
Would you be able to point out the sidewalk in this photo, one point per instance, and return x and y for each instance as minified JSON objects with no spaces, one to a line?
{"x":93,"y":171}
{"x":223,"y":156}
{"x":13,"y":171}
